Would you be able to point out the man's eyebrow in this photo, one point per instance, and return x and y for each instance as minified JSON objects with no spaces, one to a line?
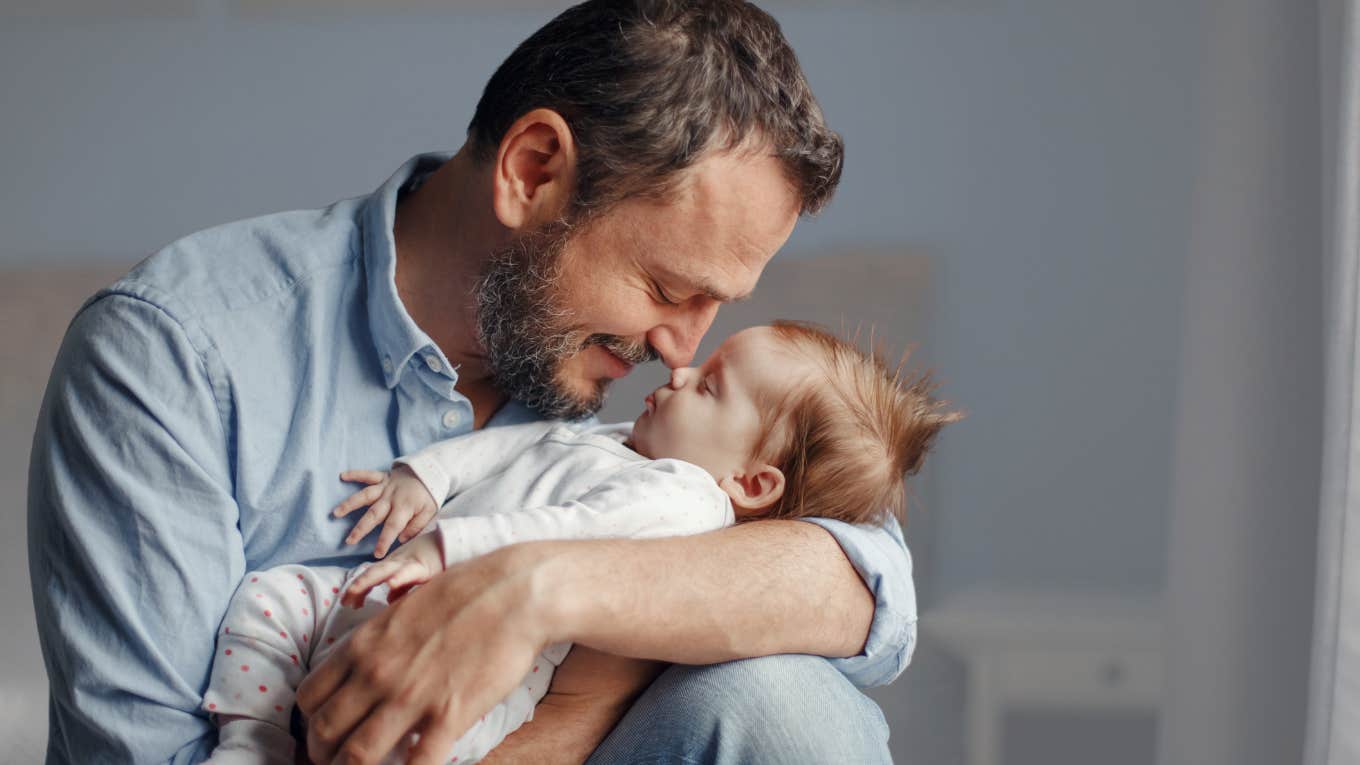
{"x":710,"y":290}
{"x":716,"y":294}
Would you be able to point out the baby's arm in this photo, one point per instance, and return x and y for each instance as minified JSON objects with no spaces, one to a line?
{"x":448,"y":467}
{"x":654,"y":499}
{"x":406,"y":499}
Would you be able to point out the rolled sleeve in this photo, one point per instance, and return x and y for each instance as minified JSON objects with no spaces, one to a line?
{"x":880,"y":556}
{"x":134,"y":548}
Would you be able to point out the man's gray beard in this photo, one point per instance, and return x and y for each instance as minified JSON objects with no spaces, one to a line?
{"x":527,"y":332}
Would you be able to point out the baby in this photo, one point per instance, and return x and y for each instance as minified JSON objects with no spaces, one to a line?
{"x":782,"y":421}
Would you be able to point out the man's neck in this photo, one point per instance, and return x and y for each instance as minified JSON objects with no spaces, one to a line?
{"x":444,"y":230}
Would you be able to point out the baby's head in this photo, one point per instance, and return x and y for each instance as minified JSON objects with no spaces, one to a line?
{"x":793,"y":422}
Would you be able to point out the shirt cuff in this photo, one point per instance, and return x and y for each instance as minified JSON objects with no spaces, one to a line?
{"x":880,"y":556}
{"x":437,"y":480}
{"x":465,"y":537}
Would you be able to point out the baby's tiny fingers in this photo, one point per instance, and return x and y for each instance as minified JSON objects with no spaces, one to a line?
{"x":395,"y":523}
{"x":357,"y":500}
{"x":357,"y":590}
{"x":370,"y":521}
{"x":418,"y":522}
{"x":413,"y":529}
{"x":410,"y":574}
{"x":363,"y":476}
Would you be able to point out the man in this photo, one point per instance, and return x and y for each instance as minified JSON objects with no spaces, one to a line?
{"x":629,"y":168}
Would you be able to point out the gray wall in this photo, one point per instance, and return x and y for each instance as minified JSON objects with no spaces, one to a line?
{"x":1039,"y":150}
{"x":1040,"y":153}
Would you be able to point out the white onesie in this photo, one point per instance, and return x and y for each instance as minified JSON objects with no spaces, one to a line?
{"x":519,"y":483}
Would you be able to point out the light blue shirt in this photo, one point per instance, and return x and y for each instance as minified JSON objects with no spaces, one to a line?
{"x":197,"y":418}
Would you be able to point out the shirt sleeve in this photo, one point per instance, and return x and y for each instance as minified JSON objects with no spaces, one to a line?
{"x":661,"y":498}
{"x":880,"y":556}
{"x":447,"y":467}
{"x":134,"y":547}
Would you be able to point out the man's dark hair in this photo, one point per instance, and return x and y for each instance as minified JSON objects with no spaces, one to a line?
{"x":649,"y":86}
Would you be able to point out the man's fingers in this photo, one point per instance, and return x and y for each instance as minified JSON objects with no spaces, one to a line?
{"x":380,"y":732}
{"x":369,"y":521}
{"x":319,"y":685}
{"x":437,"y":738}
{"x":334,"y":723}
{"x":357,"y":500}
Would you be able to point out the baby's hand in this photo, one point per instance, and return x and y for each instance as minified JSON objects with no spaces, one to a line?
{"x":410,"y":565}
{"x":397,"y":497}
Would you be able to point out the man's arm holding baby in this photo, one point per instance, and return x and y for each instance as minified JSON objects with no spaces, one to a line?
{"x":589,"y":694}
{"x":742,"y":591}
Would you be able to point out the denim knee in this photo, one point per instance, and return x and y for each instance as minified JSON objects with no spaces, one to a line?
{"x":775,"y":709}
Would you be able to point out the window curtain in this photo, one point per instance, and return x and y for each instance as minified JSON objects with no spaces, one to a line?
{"x":1243,"y":531}
{"x":1334,"y":692}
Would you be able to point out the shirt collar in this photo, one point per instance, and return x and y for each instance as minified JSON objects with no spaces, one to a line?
{"x":395,"y":333}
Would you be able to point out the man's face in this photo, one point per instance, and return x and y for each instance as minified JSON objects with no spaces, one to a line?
{"x":564,"y":311}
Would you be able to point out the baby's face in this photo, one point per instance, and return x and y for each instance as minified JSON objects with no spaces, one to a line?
{"x":709,"y":415}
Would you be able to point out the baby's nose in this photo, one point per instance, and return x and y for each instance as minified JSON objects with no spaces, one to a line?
{"x":679,"y":376}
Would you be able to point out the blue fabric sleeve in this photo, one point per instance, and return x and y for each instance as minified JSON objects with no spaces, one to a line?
{"x":880,"y":556}
{"x":134,"y":547}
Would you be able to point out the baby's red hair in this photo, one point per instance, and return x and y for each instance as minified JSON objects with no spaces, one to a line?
{"x":847,"y":442}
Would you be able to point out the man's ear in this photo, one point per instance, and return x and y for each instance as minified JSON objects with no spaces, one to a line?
{"x":757,"y":489}
{"x":535,"y":171}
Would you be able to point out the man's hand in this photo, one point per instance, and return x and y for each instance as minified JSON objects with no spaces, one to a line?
{"x":415,"y":562}
{"x":397,"y":497}
{"x":451,"y":649}
{"x":435,"y":661}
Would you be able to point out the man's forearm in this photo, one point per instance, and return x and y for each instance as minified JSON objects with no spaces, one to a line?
{"x":589,"y":694}
{"x":749,"y":590}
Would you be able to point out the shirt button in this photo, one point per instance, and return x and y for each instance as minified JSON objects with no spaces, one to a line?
{"x":452,"y":419}
{"x":432,"y":362}
{"x":387,"y":364}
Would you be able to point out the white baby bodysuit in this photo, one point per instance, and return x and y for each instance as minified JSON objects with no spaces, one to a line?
{"x":536,"y":481}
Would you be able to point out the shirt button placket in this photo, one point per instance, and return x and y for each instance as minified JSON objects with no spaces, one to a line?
{"x":452,"y":418}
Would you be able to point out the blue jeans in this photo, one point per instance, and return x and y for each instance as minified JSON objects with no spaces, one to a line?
{"x":785,"y":709}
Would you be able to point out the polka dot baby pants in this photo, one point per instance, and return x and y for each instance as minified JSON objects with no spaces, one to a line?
{"x":285,"y":620}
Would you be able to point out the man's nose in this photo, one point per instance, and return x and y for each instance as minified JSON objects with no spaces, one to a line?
{"x":678,"y":341}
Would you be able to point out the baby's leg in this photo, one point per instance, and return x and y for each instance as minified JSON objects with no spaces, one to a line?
{"x":266,"y":644}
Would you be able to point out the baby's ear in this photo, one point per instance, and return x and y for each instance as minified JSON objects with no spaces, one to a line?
{"x":757,"y":489}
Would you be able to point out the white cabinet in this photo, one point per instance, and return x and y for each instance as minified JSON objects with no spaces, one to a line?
{"x":1050,"y":650}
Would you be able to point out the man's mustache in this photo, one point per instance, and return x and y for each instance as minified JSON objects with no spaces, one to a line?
{"x":633,"y":352}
